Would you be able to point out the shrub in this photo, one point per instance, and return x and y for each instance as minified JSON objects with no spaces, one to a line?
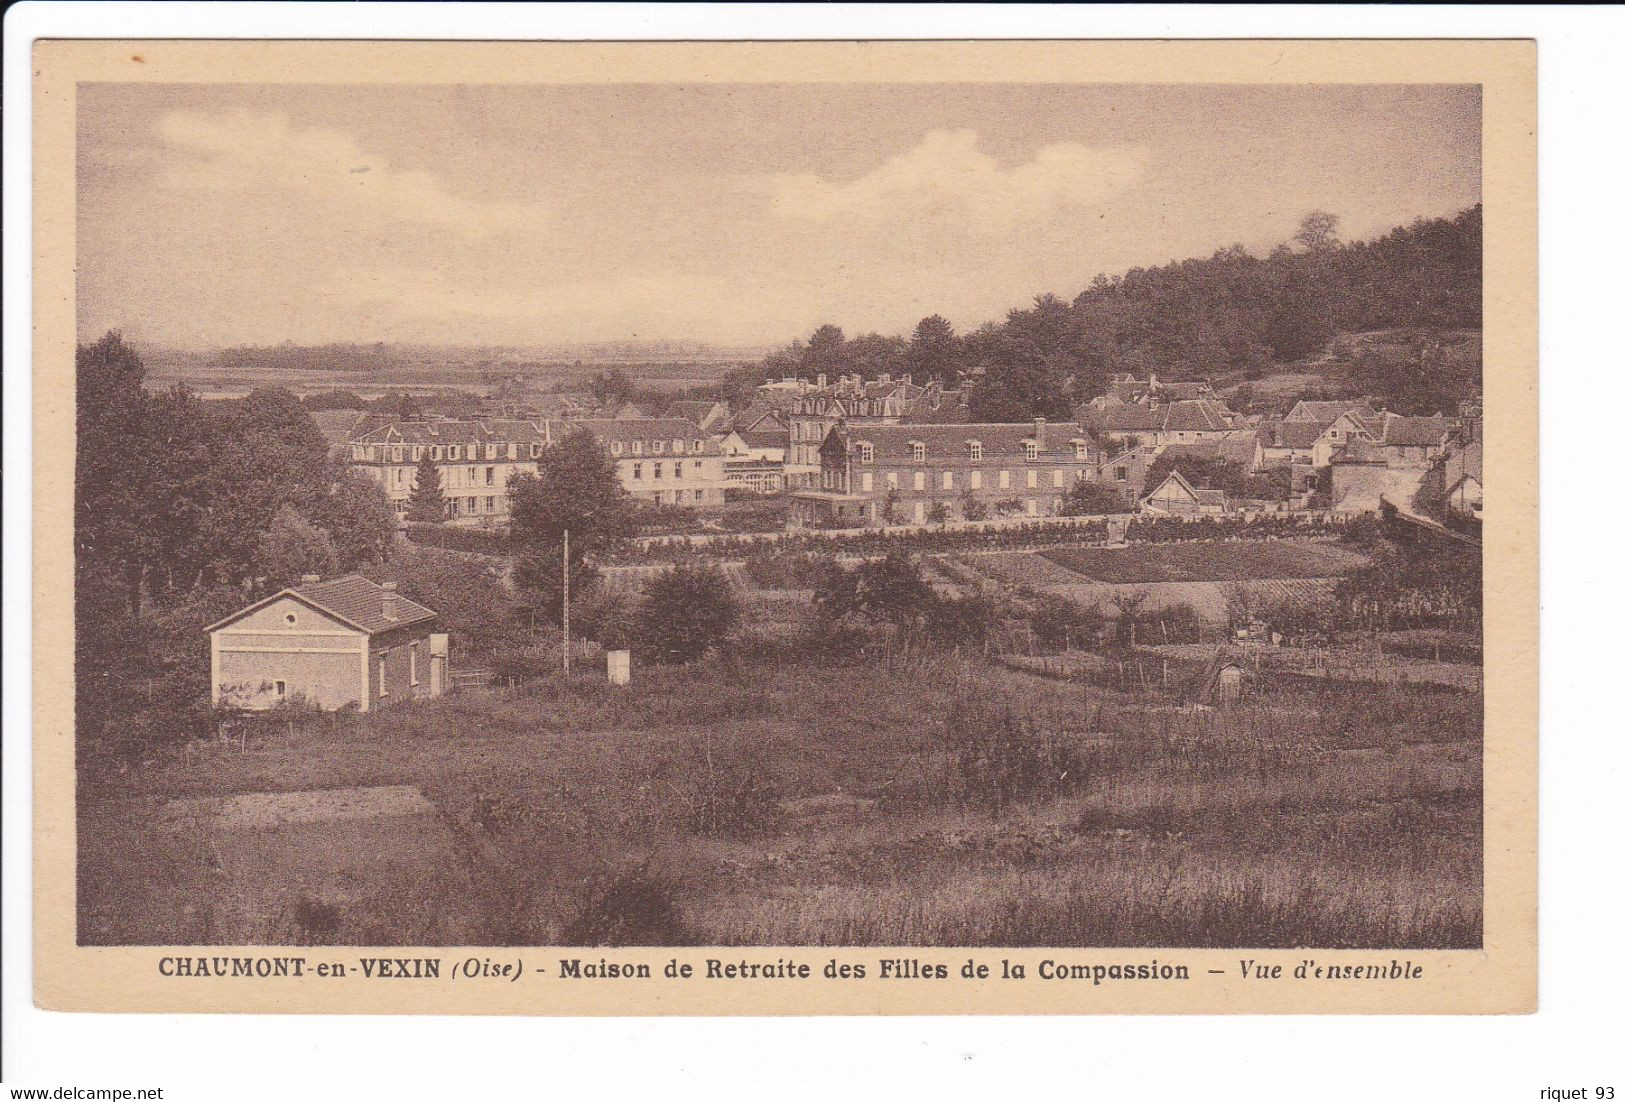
{"x":685,"y":612}
{"x":630,"y":908}
{"x":737,"y":799}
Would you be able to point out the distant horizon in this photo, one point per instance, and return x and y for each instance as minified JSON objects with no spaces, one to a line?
{"x":728,"y":216}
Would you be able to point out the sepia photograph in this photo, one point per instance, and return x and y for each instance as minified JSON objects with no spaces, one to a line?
{"x":752,"y":515}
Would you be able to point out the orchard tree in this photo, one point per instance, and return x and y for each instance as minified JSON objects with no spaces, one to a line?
{"x":575,"y":489}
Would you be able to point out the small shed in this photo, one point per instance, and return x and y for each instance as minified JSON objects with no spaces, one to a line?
{"x":1221,"y":680}
{"x":336,"y":643}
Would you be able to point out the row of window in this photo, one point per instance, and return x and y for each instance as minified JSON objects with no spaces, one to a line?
{"x":401,"y":478}
{"x":866,"y":451}
{"x":657,"y":447}
{"x":946,"y":480}
{"x":657,"y":470}
{"x":400,"y":453}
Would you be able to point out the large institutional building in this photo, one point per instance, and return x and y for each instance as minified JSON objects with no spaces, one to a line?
{"x":667,"y":460}
{"x":877,"y":474}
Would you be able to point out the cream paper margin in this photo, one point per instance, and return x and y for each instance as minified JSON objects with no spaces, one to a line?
{"x":1500,"y":978}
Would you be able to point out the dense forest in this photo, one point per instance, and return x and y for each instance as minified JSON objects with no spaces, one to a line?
{"x":1232,"y":316}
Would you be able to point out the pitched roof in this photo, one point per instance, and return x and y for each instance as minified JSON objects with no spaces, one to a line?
{"x":1233,"y":447}
{"x":696,"y":410}
{"x":1291,"y":434}
{"x":893,"y":442}
{"x":646,"y":430}
{"x":455,"y":432}
{"x":1329,"y":411}
{"x":353,"y":599}
{"x":1412,"y":432}
{"x":1180,"y":483}
{"x":779,"y":439}
{"x":1196,"y":416}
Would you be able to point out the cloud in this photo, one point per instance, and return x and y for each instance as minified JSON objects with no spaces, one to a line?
{"x":947,"y":177}
{"x":265,"y":156}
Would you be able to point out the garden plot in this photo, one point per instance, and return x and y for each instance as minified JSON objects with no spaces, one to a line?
{"x":1220,"y":561}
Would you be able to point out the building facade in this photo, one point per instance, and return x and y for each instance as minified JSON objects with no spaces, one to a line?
{"x":332,"y":644}
{"x":662,"y":460}
{"x":476,"y":461}
{"x":876,"y":474}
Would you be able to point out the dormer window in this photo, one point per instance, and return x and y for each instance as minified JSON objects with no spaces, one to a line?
{"x":615,"y":448}
{"x":456,"y":451}
{"x":395,"y":455}
{"x":976,"y":450}
{"x":698,"y":447}
{"x":535,"y":451}
{"x":866,"y":453}
{"x":917,"y":451}
{"x":434,"y":452}
{"x":1032,"y":449}
{"x":358,"y":452}
{"x":637,"y":447}
{"x":417,"y":453}
{"x":677,"y":447}
{"x":659,"y":446}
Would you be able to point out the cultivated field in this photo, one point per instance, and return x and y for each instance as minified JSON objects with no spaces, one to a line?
{"x":757,"y":800}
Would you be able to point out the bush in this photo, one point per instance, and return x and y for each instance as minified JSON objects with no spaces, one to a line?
{"x":631,"y":908}
{"x":737,"y":799}
{"x":685,"y":612}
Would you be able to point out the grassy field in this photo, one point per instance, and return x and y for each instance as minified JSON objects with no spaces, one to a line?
{"x":1242,"y":560}
{"x":906,"y":800}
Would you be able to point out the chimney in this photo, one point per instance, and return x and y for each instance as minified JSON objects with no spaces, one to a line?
{"x":391,"y":602}
{"x":1038,"y":430}
{"x":823,"y":380}
{"x":307,"y":579}
{"x":908,"y":378}
{"x":885,"y":378}
{"x":857,"y":380}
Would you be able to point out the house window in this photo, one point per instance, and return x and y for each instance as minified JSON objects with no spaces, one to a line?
{"x":434,"y":452}
{"x":657,"y":472}
{"x":976,"y":480}
{"x":1032,"y":480}
{"x":535,"y":451}
{"x":637,"y":470}
{"x":677,"y":447}
{"x":677,"y":469}
{"x":473,"y":506}
{"x":1004,"y":480}
{"x":357,"y":452}
{"x":1032,"y":450}
{"x":281,"y":688}
{"x":1081,"y":451}
{"x":291,"y":618}
{"x":866,"y":453}
{"x":383,"y":678}
{"x":919,"y":480}
{"x":513,"y":451}
{"x":1122,"y":474}
{"x":947,"y":480}
{"x":659,"y":446}
{"x":490,"y":476}
{"x":490,"y":505}
{"x":456,"y":452}
{"x":696,"y":447}
{"x":412,"y":662}
{"x":868,"y":480}
{"x":637,"y":447}
{"x":417,"y":454}
{"x":976,"y":450}
{"x":395,"y":455}
{"x":615,"y":448}
{"x":891,"y":480}
{"x":917,"y":450}
{"x":1060,"y":478}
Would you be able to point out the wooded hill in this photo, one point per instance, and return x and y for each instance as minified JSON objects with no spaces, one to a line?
{"x":1230,"y":316}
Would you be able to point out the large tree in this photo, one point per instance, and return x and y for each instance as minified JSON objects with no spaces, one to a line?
{"x":428,"y":502}
{"x":934,"y":351}
{"x":575,"y":489}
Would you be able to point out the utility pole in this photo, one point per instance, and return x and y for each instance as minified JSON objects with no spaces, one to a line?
{"x":566,"y":602}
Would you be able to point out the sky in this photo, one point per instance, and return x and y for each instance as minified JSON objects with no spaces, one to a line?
{"x":741,"y":215}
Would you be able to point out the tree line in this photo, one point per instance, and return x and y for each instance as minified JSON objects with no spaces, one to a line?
{"x":1230,"y":314}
